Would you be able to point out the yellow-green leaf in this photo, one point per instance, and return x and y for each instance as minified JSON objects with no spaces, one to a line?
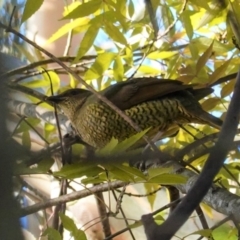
{"x":127,"y":143}
{"x":101,"y":64}
{"x":81,"y":24}
{"x":84,"y":9}
{"x":26,"y":140}
{"x":87,"y":41}
{"x":227,"y":88}
{"x":149,"y":70}
{"x":204,"y":58}
{"x":219,"y":72}
{"x":210,"y":103}
{"x":202,"y":232}
{"x":118,"y":70}
{"x":161,"y":54}
{"x":187,"y":23}
{"x":107,"y":149}
{"x":114,"y":33}
{"x":30,"y":8}
{"x":168,"y":179}
{"x":68,"y":223}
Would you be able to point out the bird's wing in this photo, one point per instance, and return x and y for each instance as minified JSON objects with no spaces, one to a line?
{"x":130,"y":93}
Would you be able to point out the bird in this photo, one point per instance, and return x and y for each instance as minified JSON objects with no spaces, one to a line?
{"x":161,"y":105}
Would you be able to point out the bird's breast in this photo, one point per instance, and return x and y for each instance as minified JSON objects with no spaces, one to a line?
{"x":97,"y":123}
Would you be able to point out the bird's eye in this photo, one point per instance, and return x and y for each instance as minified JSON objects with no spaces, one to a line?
{"x":75,"y":92}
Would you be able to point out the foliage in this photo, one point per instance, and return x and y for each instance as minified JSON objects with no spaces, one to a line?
{"x":191,"y":41}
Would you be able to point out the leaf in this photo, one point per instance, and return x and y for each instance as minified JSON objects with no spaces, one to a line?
{"x":77,"y":170}
{"x":204,"y":58}
{"x":202,"y":232}
{"x":30,"y":8}
{"x":37,"y":83}
{"x":162,"y":54}
{"x":52,"y":234}
{"x":68,"y":223}
{"x":167,"y":179}
{"x":127,"y":143}
{"x":84,"y":9}
{"x":114,"y":33}
{"x":187,"y":23}
{"x":150,"y":187}
{"x":87,"y":41}
{"x":119,"y":174}
{"x":53,"y":79}
{"x":100,"y":65}
{"x":26,"y":140}
{"x":131,"y":8}
{"x":42,"y":168}
{"x":224,"y":232}
{"x":79,"y":235}
{"x":118,"y":70}
{"x":73,"y":82}
{"x":210,"y":103}
{"x":149,"y":70}
{"x":130,"y":170}
{"x":108,"y":148}
{"x":128,"y":57}
{"x":219,"y":72}
{"x":81,"y":25}
{"x":227,"y":88}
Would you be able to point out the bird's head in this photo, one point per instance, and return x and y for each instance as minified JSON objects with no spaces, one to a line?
{"x":70,"y":100}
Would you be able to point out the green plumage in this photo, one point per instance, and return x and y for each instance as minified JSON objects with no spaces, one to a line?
{"x":158,"y":104}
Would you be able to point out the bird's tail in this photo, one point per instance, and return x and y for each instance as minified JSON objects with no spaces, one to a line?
{"x":211,"y":120}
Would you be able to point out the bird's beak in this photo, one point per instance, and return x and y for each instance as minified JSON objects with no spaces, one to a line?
{"x":55,"y":99}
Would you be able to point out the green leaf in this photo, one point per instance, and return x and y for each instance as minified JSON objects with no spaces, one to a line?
{"x":167,"y":178}
{"x":130,"y":170}
{"x":227,"y":89}
{"x":81,"y":25}
{"x":153,"y":172}
{"x":52,"y":234}
{"x":100,"y":65}
{"x":53,"y":79}
{"x":219,"y":72}
{"x":127,"y":143}
{"x":202,"y":232}
{"x":85,"y":9}
{"x":77,"y":170}
{"x":149,"y":70}
{"x":204,"y":58}
{"x":210,"y":103}
{"x":225,"y":232}
{"x":31,"y":7}
{"x":128,"y":57}
{"x":68,"y":223}
{"x":23,"y":127}
{"x":162,"y":54}
{"x":42,"y":168}
{"x":87,"y":41}
{"x":37,"y":83}
{"x":73,"y":82}
{"x":150,"y":187}
{"x":79,"y":235}
{"x":159,"y":219}
{"x":26,"y":140}
{"x":187,"y":23}
{"x":114,"y":33}
{"x":118,"y":70}
{"x":119,"y":174}
{"x":203,"y":42}
{"x":108,"y":148}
